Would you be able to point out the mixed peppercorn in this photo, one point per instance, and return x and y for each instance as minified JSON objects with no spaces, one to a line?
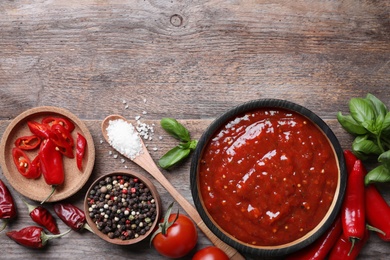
{"x":122,"y":207}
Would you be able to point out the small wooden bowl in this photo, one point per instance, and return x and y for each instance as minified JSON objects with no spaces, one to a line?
{"x":154,"y":193}
{"x":284,"y":248}
{"x":37,"y":189}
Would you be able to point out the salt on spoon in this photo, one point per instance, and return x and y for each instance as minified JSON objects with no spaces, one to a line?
{"x":118,"y":132}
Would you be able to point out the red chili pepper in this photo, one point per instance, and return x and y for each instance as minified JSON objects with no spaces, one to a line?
{"x":7,"y":205}
{"x":32,"y":236}
{"x":353,"y":209}
{"x":72,"y":216}
{"x":342,"y":248}
{"x":322,"y":246}
{"x":80,"y":150}
{"x":43,"y":217}
{"x":50,"y":121}
{"x":51,"y":165}
{"x":63,"y":134}
{"x":377,"y":212}
{"x":40,"y":130}
{"x":28,"y":142}
{"x":24,"y":165}
{"x":350,"y":159}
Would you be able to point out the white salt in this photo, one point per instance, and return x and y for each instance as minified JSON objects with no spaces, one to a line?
{"x":124,"y":138}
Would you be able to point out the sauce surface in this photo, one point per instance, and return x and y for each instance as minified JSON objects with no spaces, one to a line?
{"x":268,"y":177}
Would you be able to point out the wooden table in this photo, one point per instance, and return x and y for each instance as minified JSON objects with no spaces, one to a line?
{"x":191,"y":60}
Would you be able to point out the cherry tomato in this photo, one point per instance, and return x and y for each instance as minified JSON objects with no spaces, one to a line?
{"x":175,"y":238}
{"x":210,"y":253}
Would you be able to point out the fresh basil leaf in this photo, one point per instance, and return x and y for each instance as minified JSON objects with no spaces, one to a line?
{"x":362,"y":147}
{"x":173,"y":156}
{"x":373,"y":126}
{"x":361,"y":110}
{"x":193,"y":144}
{"x":174,"y":128}
{"x":378,"y":174}
{"x":386,"y":122}
{"x":380,"y":107}
{"x":385,"y":158}
{"x":350,"y":125}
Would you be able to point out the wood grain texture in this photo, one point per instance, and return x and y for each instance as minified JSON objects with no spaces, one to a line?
{"x":191,"y":60}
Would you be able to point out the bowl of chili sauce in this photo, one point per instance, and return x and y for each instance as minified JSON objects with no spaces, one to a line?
{"x":268,"y":177}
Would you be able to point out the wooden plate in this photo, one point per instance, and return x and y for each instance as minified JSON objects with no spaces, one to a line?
{"x":37,"y":189}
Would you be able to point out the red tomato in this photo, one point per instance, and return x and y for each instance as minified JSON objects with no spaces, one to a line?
{"x":210,"y":253}
{"x":180,"y":238}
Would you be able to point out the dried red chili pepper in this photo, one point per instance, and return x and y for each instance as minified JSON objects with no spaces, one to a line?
{"x":353,"y":208}
{"x":81,"y":144}
{"x":28,"y":142}
{"x":58,"y":121}
{"x":7,"y":205}
{"x":377,"y":212}
{"x":24,"y":165}
{"x":33,"y":236}
{"x":72,"y":216}
{"x":342,"y":248}
{"x":43,"y":217}
{"x":51,"y":165}
{"x":322,"y":246}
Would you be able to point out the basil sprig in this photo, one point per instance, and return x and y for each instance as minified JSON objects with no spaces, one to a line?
{"x":183,"y":149}
{"x":369,"y":122}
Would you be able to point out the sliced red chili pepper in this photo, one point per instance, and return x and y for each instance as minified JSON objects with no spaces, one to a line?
{"x":50,"y":121}
{"x":28,"y":142}
{"x":40,"y":130}
{"x":43,"y":217}
{"x":322,"y":246}
{"x":377,"y":211}
{"x":353,"y":208}
{"x":342,"y":248}
{"x":81,"y":144}
{"x":63,"y":134}
{"x":7,"y":205}
{"x":32,"y":236}
{"x":51,"y":165}
{"x":24,"y":165}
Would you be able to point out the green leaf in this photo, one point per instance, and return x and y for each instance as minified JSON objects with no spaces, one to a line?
{"x":379,"y":106}
{"x":174,"y":128}
{"x":362,"y":147}
{"x":173,"y":156}
{"x":350,"y":125}
{"x":386,"y":122}
{"x":385,"y":158}
{"x":378,"y":174}
{"x":361,"y":110}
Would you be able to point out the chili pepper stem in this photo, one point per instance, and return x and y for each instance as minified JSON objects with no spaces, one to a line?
{"x":353,"y":240}
{"x":87,"y":227}
{"x":45,"y":237}
{"x":371,"y":228}
{"x":29,"y":206}
{"x":5,"y":222}
{"x":51,"y":193}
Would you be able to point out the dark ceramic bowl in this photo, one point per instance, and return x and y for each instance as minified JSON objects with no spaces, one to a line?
{"x":137,"y":211}
{"x":258,"y":249}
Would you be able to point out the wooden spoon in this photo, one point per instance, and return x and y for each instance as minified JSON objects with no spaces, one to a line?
{"x":145,"y":161}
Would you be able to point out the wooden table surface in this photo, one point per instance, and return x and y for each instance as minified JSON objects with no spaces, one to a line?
{"x":191,"y":60}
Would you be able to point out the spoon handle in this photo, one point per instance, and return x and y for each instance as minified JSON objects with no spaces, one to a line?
{"x":147,"y":163}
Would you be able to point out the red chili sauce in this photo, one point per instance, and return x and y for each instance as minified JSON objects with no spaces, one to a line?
{"x":268,"y":177}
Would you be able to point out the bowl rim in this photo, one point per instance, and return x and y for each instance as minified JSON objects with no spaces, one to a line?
{"x":329,"y":217}
{"x":156,"y":197}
